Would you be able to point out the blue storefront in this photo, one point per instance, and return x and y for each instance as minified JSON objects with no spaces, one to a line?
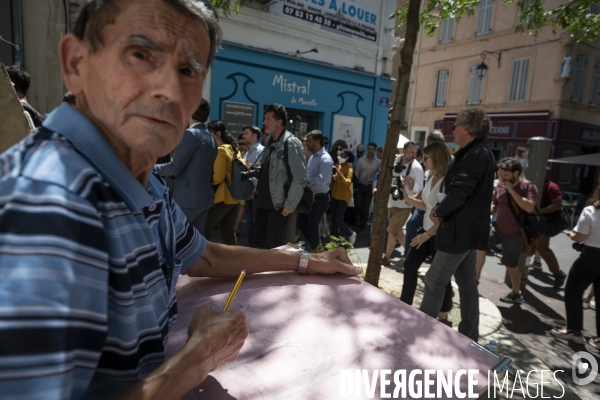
{"x":343,"y":104}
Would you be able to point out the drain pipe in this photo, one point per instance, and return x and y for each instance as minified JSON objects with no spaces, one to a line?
{"x":17,"y":32}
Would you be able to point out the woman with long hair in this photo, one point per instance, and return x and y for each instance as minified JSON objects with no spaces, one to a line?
{"x":224,"y":212}
{"x":585,"y":271}
{"x":336,"y":150}
{"x":341,"y":193}
{"x":437,"y":159}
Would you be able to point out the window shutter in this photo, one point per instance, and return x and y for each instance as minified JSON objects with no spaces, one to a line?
{"x":442,"y":84}
{"x":595,"y":87}
{"x":518,"y":82}
{"x":447,"y":30}
{"x":484,"y":17}
{"x":578,"y":79}
{"x":475,"y":87}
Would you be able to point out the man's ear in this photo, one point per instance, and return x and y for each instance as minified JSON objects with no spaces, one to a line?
{"x":73,"y":55}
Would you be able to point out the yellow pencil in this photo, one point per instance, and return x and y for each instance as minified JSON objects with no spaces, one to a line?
{"x":235,"y":289}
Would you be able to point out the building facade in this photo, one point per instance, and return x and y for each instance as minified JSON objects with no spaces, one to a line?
{"x":533,"y":86}
{"x":328,"y":62}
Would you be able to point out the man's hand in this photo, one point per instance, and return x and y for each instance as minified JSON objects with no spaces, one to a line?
{"x":332,"y":261}
{"x":221,"y":334}
{"x":374,"y":191}
{"x":419,"y":240}
{"x":286,"y":211}
{"x":408,"y":181}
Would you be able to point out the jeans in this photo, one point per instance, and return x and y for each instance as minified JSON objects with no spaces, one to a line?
{"x":309,"y":223}
{"x":338,"y":226}
{"x":412,"y":227}
{"x":270,"y":228}
{"x":462,"y":266}
{"x":362,"y":203}
{"x":413,"y":262}
{"x":249,"y":216}
{"x":584,"y":272}
{"x":224,"y":216}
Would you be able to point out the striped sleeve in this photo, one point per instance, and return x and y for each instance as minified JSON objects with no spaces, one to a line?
{"x":53,"y":291}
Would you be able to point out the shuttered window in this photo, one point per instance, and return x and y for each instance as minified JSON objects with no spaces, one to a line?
{"x":595,"y":87}
{"x":475,"y":87}
{"x":518,"y":81}
{"x":526,"y":4}
{"x":441,"y":88}
{"x":578,"y":78}
{"x":447,"y":31}
{"x":484,"y":17}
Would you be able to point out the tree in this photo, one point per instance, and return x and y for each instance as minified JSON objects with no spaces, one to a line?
{"x":577,"y":17}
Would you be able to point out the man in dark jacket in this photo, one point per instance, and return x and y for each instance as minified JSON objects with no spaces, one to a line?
{"x":464,"y":215}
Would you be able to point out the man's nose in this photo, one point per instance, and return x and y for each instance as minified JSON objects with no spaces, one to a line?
{"x":168,"y":84}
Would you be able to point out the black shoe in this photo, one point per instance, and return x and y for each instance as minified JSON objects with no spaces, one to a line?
{"x":559,"y":281}
{"x":512,"y":298}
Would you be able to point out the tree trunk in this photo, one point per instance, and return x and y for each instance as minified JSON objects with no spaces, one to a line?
{"x":391,"y":141}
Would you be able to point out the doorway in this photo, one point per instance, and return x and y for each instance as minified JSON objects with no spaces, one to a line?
{"x":300,"y":122}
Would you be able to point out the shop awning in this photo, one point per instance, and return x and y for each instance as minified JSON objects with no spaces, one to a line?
{"x":587,"y":159}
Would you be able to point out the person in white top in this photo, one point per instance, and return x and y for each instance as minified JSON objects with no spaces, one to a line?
{"x":437,"y":159}
{"x":406,"y":173}
{"x":585,"y":271}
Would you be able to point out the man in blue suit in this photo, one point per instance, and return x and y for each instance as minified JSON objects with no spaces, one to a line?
{"x":192,"y":166}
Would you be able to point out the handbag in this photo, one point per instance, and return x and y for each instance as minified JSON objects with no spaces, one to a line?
{"x":239,"y":189}
{"x":533,"y":223}
{"x":556,"y":223}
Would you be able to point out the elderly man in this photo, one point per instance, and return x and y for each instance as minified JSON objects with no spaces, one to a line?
{"x":464,"y":212}
{"x":93,"y":240}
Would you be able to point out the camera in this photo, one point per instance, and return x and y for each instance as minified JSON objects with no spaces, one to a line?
{"x":253,"y":172}
{"x":398,"y":168}
{"x":395,"y":190}
{"x":578,"y":246}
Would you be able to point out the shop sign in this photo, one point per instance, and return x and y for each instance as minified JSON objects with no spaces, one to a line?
{"x":501,"y":131}
{"x":591,"y":135}
{"x":238,"y":115}
{"x":285,"y":85}
{"x":355,"y":17}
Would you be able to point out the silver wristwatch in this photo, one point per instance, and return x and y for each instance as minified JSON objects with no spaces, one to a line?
{"x":303,"y":265}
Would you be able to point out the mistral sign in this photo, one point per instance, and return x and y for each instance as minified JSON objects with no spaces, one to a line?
{"x":299,"y":89}
{"x":355,"y":18}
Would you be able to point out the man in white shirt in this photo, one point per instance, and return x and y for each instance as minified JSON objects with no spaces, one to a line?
{"x":255,"y":149}
{"x":407,"y":172}
{"x":366,"y":169}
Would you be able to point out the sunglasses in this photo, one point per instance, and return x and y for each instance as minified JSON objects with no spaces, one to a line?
{"x":360,"y":152}
{"x":454,"y":126}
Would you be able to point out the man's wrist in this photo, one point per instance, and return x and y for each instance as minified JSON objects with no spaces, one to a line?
{"x":303,"y":262}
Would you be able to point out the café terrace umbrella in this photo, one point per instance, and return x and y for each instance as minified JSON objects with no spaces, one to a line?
{"x":586,"y":159}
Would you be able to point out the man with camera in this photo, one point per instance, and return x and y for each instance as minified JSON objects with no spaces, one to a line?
{"x":276,"y":197}
{"x":255,"y":149}
{"x":408,"y":173}
{"x":319,"y":170}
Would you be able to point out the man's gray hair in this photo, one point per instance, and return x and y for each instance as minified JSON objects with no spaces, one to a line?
{"x":476,"y":122}
{"x":95,"y":15}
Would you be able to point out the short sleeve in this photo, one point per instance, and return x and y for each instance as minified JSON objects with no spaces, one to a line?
{"x":584,"y":224}
{"x":189,"y":243}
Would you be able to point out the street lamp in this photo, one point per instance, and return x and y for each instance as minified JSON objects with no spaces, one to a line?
{"x":482,"y":68}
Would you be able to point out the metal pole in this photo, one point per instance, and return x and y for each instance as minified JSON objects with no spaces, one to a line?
{"x":17,"y":32}
{"x":539,"y":152}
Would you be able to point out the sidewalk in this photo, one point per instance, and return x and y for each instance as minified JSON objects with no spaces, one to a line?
{"x":490,"y":328}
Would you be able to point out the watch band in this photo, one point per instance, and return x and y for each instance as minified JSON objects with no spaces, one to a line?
{"x":303,"y":264}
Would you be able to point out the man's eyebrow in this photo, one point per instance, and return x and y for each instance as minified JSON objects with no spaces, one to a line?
{"x":196,"y":65}
{"x":143,"y":41}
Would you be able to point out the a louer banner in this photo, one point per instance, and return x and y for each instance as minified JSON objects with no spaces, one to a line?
{"x":356,"y":18}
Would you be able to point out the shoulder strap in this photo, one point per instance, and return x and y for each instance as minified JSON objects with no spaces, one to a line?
{"x":514,"y":207}
{"x":285,"y":159}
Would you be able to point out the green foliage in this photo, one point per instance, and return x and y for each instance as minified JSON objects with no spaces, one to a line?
{"x":336,"y":242}
{"x":225,"y":5}
{"x":578,"y":17}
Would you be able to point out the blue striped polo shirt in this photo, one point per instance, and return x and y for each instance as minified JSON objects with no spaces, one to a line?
{"x":89,"y":260}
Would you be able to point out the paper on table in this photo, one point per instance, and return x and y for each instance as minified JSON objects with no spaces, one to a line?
{"x":305,"y":328}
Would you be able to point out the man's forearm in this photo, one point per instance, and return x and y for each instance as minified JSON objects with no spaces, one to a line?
{"x":220,"y":260}
{"x":525,"y":204}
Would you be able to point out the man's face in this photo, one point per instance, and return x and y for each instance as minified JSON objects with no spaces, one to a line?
{"x":508,"y":177}
{"x":379,"y":153}
{"x":142,"y":86}
{"x":410,"y":153}
{"x":325,"y":143}
{"x":360,"y":151}
{"x":312,"y":145}
{"x":371,"y":151}
{"x":249,"y":138}
{"x":272,"y":125}
{"x":461,"y":135}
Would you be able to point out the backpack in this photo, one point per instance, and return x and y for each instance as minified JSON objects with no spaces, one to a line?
{"x":533,"y":223}
{"x":240,"y":190}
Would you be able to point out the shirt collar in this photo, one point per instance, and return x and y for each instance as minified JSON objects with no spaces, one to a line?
{"x":88,"y":141}
{"x":320,"y":152}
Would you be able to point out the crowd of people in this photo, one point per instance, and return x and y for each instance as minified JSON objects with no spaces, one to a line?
{"x":96,"y":231}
